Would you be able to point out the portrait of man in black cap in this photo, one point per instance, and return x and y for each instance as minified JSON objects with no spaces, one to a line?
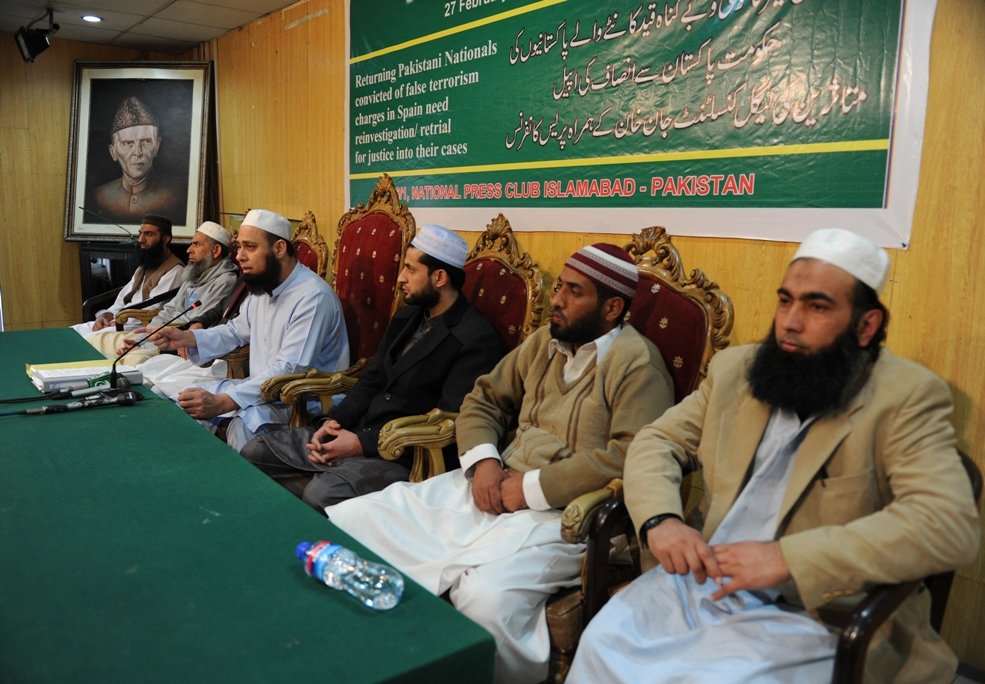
{"x":135,"y":143}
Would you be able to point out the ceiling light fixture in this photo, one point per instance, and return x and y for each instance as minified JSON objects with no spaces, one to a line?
{"x":91,"y":18}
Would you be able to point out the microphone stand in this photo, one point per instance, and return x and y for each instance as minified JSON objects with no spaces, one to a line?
{"x":112,"y":371}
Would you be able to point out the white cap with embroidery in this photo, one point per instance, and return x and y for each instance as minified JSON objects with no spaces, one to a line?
{"x":269,"y":221}
{"x":857,"y":255}
{"x":442,"y":244}
{"x":215,"y":231}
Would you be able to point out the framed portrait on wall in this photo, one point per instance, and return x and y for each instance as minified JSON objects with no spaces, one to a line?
{"x":137,"y":145}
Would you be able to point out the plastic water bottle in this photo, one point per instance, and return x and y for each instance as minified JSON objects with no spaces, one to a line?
{"x":377,"y":585}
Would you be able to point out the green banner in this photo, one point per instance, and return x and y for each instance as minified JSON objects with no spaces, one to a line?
{"x":684,"y":104}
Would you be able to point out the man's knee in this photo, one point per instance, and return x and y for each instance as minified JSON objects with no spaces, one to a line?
{"x":257,"y":452}
{"x":326,"y":490}
{"x":478,"y":598}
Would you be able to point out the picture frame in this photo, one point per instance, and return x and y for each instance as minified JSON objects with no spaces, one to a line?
{"x":137,"y":145}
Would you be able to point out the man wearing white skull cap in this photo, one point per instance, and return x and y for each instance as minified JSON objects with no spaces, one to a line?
{"x":829,"y":466}
{"x":292,"y":321}
{"x":431,"y":354}
{"x":208,"y":279}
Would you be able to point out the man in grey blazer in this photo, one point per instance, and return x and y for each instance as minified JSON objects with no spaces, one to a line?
{"x":829,"y":465}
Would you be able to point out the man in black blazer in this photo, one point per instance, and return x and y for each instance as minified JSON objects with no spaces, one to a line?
{"x":431,"y":354}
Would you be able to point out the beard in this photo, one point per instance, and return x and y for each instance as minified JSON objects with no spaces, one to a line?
{"x":151,"y":257}
{"x":266,"y":282}
{"x":426,"y":299}
{"x":581,"y":331}
{"x":819,"y":383}
{"x":195,"y":269}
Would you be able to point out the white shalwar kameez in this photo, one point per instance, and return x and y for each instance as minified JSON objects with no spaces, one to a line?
{"x":168,"y":281}
{"x":297,"y":327}
{"x":665,"y":628}
{"x":500,"y":569}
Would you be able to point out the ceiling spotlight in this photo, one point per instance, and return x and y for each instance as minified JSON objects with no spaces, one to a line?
{"x":91,"y":18}
{"x":32,"y":42}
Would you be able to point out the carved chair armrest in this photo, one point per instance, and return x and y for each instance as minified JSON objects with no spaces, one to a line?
{"x":579,"y":515}
{"x":273,"y":388}
{"x":427,"y":434}
{"x":596,"y":518}
{"x":322,"y":385}
{"x":874,"y":609}
{"x":142,"y":315}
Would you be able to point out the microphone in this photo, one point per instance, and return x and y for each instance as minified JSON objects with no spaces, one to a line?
{"x":133,"y":238}
{"x":112,"y":370}
{"x":126,"y":399}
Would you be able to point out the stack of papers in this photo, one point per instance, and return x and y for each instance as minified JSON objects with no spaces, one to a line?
{"x":49,"y":377}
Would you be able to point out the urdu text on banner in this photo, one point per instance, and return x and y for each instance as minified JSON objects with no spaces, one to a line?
{"x":762,"y":119}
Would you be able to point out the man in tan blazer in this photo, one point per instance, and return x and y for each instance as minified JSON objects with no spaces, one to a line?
{"x":829,"y":465}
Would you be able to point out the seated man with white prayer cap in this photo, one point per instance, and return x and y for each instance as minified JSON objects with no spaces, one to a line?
{"x":292,"y":321}
{"x":431,"y":354}
{"x":208,"y":279}
{"x":489,"y":533}
{"x":829,"y":465}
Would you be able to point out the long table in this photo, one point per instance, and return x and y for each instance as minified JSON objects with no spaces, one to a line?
{"x":136,"y":547}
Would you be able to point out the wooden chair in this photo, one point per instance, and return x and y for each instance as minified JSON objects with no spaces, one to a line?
{"x":309,"y":245}
{"x":369,"y":253}
{"x":508,"y":287}
{"x":882,"y":601}
{"x":143,"y":311}
{"x":689,"y":319}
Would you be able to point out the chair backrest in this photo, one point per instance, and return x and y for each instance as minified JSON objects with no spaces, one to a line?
{"x":369,"y":252}
{"x":688,"y":318}
{"x":310,"y":246}
{"x":505,"y":283}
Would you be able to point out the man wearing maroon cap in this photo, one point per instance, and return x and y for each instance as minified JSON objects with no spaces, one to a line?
{"x":490,"y":533}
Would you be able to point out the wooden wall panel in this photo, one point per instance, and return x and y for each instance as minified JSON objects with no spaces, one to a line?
{"x":39,"y":271}
{"x":281,"y":99}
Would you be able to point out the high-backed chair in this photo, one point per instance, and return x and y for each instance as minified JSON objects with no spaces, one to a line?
{"x":689,"y":319}
{"x":507,"y":286}
{"x":369,"y":253}
{"x":309,"y":245}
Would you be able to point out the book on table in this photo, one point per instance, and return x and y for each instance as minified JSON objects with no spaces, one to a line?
{"x":48,"y":377}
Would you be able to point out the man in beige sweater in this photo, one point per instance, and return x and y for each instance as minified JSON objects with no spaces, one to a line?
{"x":576,"y":392}
{"x":829,"y":467}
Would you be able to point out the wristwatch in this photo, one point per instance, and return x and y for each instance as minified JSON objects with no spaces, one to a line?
{"x":653,"y":522}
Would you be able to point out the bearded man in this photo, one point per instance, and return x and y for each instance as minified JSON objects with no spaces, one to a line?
{"x":292,"y":321}
{"x":489,"y":533}
{"x":431,"y":354}
{"x":829,"y":466}
{"x":209,"y":278}
{"x":158,"y":271}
